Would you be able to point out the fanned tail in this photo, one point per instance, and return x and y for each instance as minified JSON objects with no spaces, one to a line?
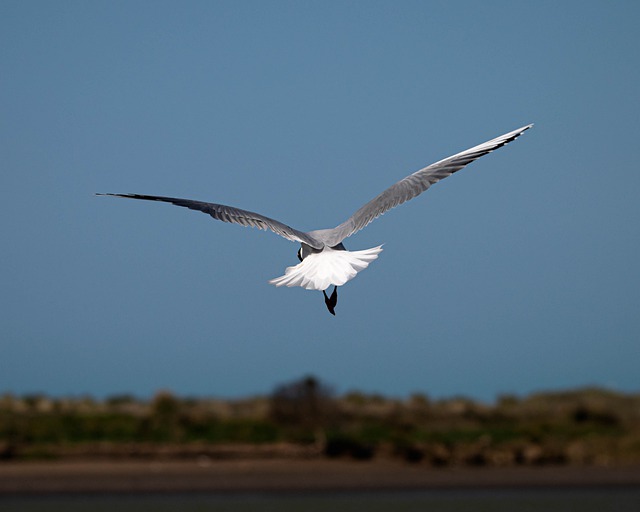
{"x":330,"y":267}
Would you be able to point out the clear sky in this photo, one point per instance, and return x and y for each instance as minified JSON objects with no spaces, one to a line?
{"x":518,"y":274}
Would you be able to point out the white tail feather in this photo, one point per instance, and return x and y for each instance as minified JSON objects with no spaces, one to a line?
{"x":319,"y":271}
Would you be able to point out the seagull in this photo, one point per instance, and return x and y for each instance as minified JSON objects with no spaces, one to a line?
{"x":324,"y":260}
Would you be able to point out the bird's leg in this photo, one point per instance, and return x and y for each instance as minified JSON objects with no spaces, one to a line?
{"x":327,"y":302}
{"x":331,"y":301}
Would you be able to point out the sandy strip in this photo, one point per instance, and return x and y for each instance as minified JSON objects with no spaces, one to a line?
{"x":289,"y":476}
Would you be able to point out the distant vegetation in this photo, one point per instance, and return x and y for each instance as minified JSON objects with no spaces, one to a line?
{"x":306,"y":418}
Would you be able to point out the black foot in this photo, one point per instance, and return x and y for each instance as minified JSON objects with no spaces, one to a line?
{"x":331,"y":301}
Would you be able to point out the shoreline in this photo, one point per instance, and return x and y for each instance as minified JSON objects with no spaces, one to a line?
{"x":291,"y":476}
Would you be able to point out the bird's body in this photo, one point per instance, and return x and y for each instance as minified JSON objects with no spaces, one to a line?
{"x":324,"y":261}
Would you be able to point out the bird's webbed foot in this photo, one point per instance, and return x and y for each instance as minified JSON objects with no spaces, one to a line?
{"x":331,"y":301}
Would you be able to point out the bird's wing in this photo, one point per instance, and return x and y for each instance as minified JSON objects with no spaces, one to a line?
{"x":233,"y":215}
{"x":414,"y":185}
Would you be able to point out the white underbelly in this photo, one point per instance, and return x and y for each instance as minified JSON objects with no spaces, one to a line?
{"x":319,"y":271}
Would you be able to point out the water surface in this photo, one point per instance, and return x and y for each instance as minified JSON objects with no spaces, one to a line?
{"x":552,"y":500}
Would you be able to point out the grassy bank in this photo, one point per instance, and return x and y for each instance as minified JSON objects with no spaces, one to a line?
{"x":305,"y":419}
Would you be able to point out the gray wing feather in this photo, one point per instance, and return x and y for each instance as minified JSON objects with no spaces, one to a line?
{"x":233,"y":215}
{"x":414,"y":185}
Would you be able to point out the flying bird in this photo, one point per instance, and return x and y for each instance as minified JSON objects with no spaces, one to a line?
{"x":324,"y":260}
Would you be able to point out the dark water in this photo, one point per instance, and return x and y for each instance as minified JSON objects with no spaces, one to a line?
{"x":597,"y":500}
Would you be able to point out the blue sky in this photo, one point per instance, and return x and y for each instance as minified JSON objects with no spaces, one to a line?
{"x":518,"y":274}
